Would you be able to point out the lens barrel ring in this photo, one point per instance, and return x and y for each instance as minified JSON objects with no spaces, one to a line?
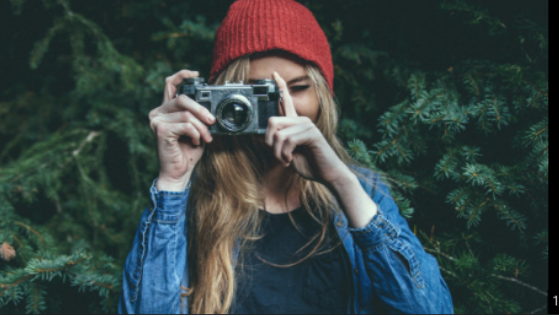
{"x":235,"y":99}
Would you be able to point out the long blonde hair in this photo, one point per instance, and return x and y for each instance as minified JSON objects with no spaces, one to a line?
{"x":227,"y":192}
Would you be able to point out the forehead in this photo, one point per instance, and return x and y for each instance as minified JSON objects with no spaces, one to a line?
{"x":288,"y":68}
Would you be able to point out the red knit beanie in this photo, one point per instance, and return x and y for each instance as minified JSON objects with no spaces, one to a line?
{"x":256,"y":26}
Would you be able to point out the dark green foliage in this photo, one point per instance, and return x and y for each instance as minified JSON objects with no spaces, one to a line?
{"x":449,"y":98}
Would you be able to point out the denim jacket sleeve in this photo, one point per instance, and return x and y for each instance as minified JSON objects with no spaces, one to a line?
{"x":154,"y":269}
{"x":406,"y":279}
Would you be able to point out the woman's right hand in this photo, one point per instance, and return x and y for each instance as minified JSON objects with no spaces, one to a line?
{"x":179,"y":126}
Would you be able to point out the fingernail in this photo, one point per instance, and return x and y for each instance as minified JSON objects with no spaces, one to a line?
{"x":211,"y":118}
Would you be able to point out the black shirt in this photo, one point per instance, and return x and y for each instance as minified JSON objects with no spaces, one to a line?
{"x":317,"y":285}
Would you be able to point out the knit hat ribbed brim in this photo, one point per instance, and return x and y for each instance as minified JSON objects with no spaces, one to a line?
{"x":257,"y":26}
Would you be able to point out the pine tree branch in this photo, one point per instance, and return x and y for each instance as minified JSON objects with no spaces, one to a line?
{"x":461,"y":194}
{"x":400,"y":150}
{"x":474,"y":214}
{"x":16,"y":140}
{"x":542,"y":152}
{"x":388,"y":146}
{"x":17,"y":240}
{"x":20,"y":176}
{"x":428,"y":189}
{"x":534,"y":100}
{"x":103,"y":285}
{"x":393,"y":141}
{"x":69,"y":264}
{"x":36,"y":288}
{"x":92,"y":135}
{"x":448,"y":272}
{"x":78,"y":17}
{"x":517,"y":222}
{"x":510,"y":279}
{"x":441,"y":253}
{"x":171,"y":35}
{"x":10,"y":286}
{"x":541,"y":91}
{"x":32,"y":230}
{"x":514,"y":280}
{"x":535,"y":311}
{"x":540,"y":132}
{"x":490,"y":184}
{"x":478,"y":93}
{"x":496,"y":104}
{"x":21,"y":246}
{"x":465,"y":204}
{"x":467,"y":245}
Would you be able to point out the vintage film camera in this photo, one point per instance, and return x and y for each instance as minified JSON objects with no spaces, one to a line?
{"x":238,"y":108}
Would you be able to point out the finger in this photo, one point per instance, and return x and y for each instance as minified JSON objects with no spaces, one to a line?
{"x":182,"y":117}
{"x":287,"y":101}
{"x":305,"y":137}
{"x":280,"y":123}
{"x":183,"y":103}
{"x":288,"y":137}
{"x":170,"y":132}
{"x":173,"y":81}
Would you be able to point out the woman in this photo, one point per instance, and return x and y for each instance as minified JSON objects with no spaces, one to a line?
{"x":280,"y":223}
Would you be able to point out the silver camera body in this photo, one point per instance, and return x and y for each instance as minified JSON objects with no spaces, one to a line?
{"x":238,"y":108}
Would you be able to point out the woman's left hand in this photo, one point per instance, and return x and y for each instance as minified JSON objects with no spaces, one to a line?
{"x":297,"y":141}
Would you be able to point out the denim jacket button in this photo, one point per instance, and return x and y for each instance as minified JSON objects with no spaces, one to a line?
{"x":356,"y":271}
{"x":340,"y":224}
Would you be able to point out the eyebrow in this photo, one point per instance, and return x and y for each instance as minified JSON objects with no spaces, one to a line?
{"x":294,"y":80}
{"x":298,"y":79}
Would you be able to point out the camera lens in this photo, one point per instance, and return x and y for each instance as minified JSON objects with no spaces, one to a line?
{"x":235,"y":113}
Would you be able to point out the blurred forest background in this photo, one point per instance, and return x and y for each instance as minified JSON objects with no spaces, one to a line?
{"x":450,"y":98}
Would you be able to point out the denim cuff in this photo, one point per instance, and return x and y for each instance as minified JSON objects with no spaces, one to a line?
{"x":169,"y":206}
{"x":376,"y":233}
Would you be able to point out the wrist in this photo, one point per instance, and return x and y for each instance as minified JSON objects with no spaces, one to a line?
{"x":357,"y":205}
{"x":171,"y":184}
{"x":344,"y":181}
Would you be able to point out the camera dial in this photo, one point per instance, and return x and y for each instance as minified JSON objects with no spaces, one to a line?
{"x":265,"y":82}
{"x":194,"y":81}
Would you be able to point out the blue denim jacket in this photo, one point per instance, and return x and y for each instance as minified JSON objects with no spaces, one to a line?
{"x":389,"y":270}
